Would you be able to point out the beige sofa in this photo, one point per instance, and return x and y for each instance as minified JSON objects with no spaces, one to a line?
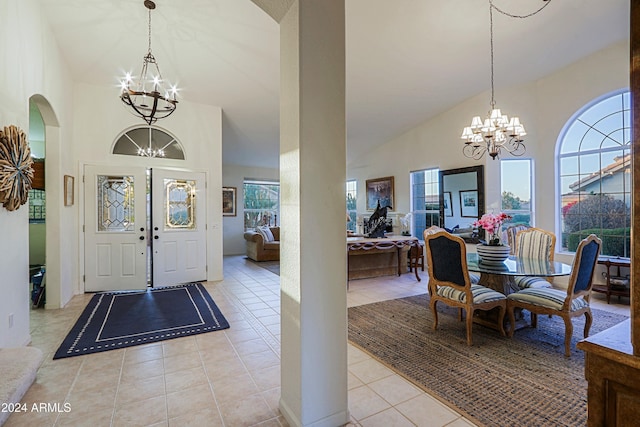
{"x":259,"y":250}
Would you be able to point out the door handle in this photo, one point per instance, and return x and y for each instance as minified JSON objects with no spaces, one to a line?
{"x":141,"y":237}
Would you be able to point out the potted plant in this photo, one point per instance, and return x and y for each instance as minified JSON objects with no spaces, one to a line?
{"x":492,"y":250}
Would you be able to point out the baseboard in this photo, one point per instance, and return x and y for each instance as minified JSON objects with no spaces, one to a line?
{"x":334,"y":420}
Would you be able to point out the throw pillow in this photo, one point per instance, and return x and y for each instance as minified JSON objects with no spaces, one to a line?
{"x":268,"y":234}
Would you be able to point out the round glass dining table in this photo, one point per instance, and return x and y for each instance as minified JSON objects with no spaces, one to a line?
{"x":500,"y":277}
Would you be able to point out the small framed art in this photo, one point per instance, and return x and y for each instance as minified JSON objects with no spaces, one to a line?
{"x":68,"y":190}
{"x":469,"y":203}
{"x":448,"y":210}
{"x":380,"y":190}
{"x":228,"y":201}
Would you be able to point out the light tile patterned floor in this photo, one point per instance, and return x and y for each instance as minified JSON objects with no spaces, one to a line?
{"x":182,"y":382}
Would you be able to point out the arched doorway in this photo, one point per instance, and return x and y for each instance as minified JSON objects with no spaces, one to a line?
{"x":49,"y":133}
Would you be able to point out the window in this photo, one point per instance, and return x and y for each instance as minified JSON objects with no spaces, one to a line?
{"x":595,"y":175}
{"x":148,"y":141}
{"x":515,"y":186}
{"x":37,"y":206}
{"x":425,"y":200}
{"x":352,"y":195}
{"x":261,"y":203}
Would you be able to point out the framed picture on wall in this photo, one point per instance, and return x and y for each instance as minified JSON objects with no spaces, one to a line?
{"x":228,"y":201}
{"x":68,"y":190}
{"x":448,"y":210}
{"x":469,"y":203}
{"x":380,"y":190}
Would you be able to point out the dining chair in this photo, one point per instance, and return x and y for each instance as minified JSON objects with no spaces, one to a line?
{"x":509,"y":235}
{"x":475,"y":278}
{"x":449,"y":281}
{"x":567,"y":304}
{"x":534,"y":243}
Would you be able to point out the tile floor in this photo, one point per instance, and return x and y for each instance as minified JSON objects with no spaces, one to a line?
{"x":182,"y":383}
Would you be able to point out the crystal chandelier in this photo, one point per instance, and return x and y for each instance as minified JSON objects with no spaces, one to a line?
{"x":150,"y":152}
{"x":497,"y":132}
{"x":148,"y":97}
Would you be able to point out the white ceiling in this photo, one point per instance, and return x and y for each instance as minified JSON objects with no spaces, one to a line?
{"x":407,"y":60}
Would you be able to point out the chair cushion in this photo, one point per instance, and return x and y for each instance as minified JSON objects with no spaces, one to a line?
{"x":480,"y":294}
{"x":546,"y":297}
{"x":524,"y":282}
{"x":475,"y":278}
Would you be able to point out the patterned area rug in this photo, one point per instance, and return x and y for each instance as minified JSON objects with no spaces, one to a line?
{"x":523,"y":381}
{"x":114,"y":320}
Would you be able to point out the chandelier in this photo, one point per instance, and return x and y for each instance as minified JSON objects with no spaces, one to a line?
{"x":150,"y":152}
{"x":148,"y":97}
{"x":497,"y":132}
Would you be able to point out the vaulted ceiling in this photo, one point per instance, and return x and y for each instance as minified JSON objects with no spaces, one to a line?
{"x":407,"y":60}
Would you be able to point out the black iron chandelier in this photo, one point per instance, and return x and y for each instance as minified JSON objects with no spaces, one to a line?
{"x":148,"y":97}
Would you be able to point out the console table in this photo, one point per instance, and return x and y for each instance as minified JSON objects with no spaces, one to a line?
{"x":383,"y":256}
{"x":616,"y":285}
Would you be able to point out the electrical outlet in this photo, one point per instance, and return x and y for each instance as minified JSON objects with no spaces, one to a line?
{"x":11,"y":320}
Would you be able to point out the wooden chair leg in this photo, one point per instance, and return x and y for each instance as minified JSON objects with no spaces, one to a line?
{"x":568,"y":333}
{"x":501,"y":314}
{"x":512,"y":320}
{"x":588,"y":319}
{"x":534,"y":320}
{"x":469,"y":326}
{"x":434,"y":310}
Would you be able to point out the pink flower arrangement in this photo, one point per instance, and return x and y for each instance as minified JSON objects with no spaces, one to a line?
{"x":491,"y":223}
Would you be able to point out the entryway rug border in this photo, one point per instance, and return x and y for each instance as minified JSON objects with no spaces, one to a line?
{"x":72,"y":345}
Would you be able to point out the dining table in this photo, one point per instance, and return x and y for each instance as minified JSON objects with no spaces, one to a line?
{"x":500,"y":277}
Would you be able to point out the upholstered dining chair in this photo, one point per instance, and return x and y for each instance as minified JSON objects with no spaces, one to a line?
{"x":509,"y":235}
{"x":475,"y":278}
{"x":567,"y":304}
{"x":449,"y":281}
{"x":534,"y":243}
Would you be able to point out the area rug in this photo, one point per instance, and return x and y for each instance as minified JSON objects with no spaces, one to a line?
{"x":115,"y":320}
{"x":523,"y":381}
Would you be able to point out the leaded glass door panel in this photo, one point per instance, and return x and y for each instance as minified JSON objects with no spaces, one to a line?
{"x":115,"y":228}
{"x":178,"y":227}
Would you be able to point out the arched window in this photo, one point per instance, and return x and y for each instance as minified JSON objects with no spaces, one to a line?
{"x":595,"y":175}
{"x":148,"y":141}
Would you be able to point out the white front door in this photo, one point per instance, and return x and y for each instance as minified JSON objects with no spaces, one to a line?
{"x":115,"y":228}
{"x":178,"y":218}
{"x":122,"y":213}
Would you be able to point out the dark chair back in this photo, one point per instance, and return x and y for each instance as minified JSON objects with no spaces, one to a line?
{"x":584,"y":264}
{"x":447,"y":258}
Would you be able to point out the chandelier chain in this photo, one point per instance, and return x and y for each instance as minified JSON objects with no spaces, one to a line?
{"x":149,"y":30}
{"x":493,"y":101}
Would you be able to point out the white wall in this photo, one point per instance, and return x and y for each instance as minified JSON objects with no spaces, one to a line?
{"x":233,"y":226}
{"x":31,"y":64}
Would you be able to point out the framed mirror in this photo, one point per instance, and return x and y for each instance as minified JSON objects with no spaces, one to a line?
{"x":462,"y":200}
